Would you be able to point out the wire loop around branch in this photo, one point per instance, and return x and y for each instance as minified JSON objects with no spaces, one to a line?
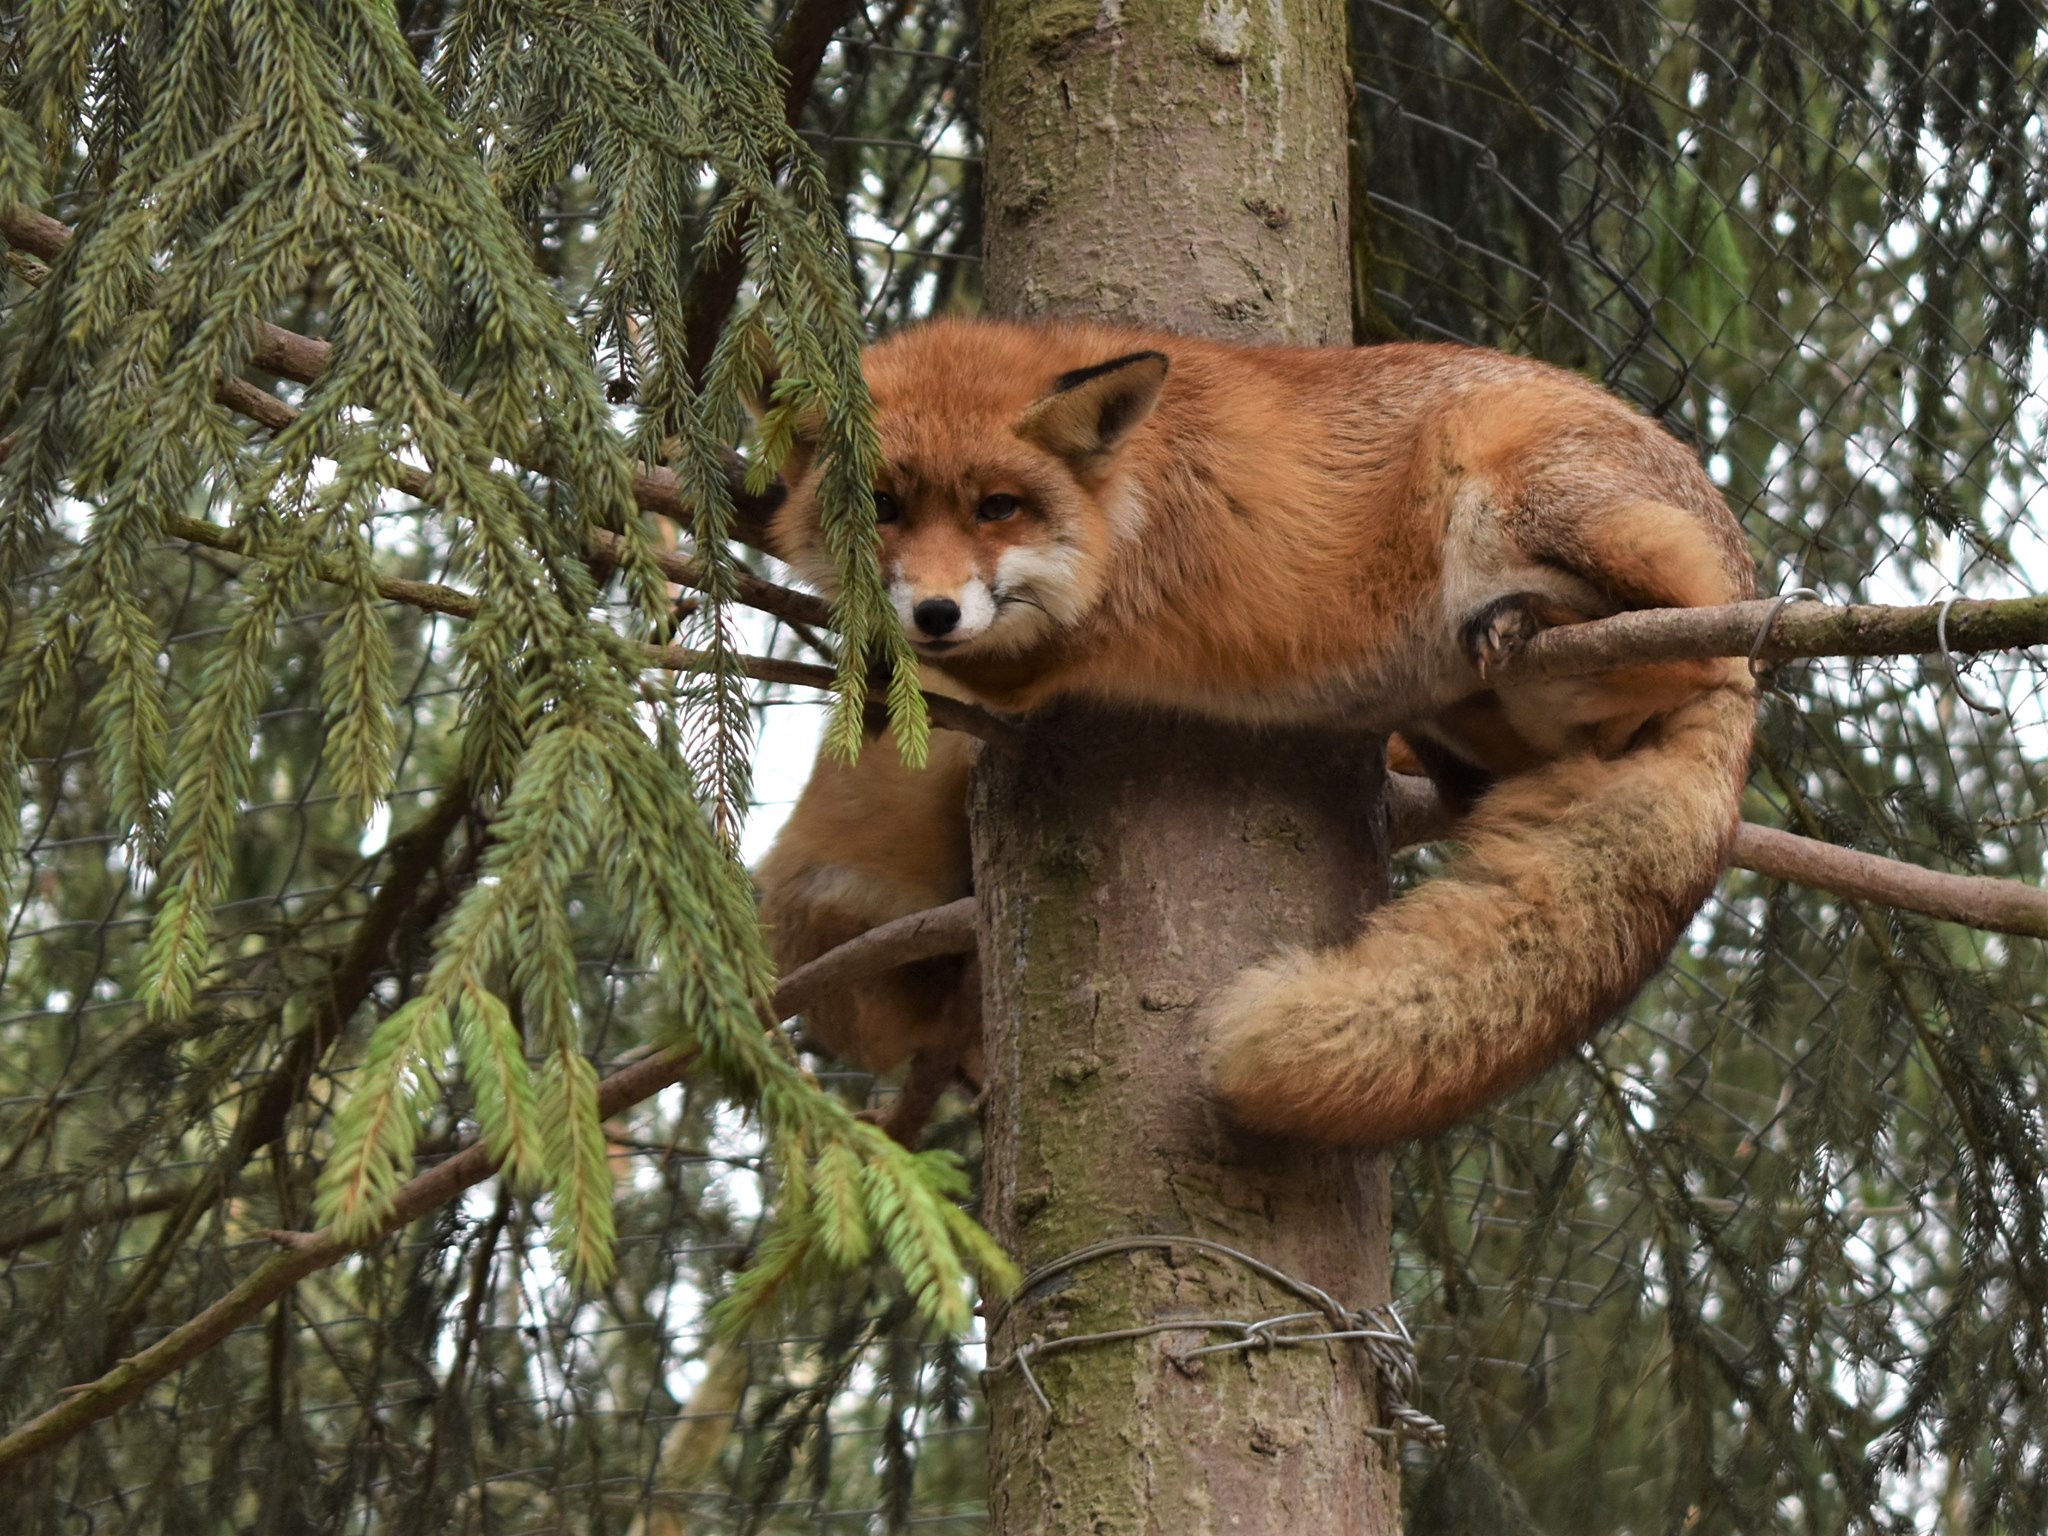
{"x":1955,"y":673}
{"x":1379,"y":1329}
{"x":1763,"y":630}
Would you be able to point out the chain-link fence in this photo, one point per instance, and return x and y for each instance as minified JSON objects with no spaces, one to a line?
{"x":1771,"y":1253}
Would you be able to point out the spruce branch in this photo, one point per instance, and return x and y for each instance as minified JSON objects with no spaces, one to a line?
{"x":434,"y":597}
{"x":2004,"y":1163}
{"x":920,"y":936}
{"x":304,"y":360}
{"x":722,"y":268}
{"x":405,"y":897}
{"x":947,"y":713}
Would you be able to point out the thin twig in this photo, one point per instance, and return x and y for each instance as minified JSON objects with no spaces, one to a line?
{"x":947,"y":714}
{"x":147,"y":1203}
{"x":689,"y":571}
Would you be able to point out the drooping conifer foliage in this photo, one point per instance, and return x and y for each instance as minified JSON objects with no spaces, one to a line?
{"x":479,"y":225}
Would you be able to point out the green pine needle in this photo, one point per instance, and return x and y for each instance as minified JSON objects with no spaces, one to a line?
{"x":507,"y":1103}
{"x":379,"y":1122}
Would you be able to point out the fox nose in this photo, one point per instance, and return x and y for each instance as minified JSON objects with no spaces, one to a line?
{"x":936,"y":616}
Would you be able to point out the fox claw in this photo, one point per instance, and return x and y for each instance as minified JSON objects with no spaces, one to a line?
{"x":1498,"y":631}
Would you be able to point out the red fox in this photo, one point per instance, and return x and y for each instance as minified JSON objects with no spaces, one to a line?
{"x":1263,"y":533}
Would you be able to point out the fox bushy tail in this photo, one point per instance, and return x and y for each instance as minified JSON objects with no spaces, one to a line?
{"x":1575,"y":881}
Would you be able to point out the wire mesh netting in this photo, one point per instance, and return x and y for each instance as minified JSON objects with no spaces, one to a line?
{"x":1771,"y":1253}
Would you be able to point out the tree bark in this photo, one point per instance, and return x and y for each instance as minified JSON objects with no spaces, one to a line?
{"x":1126,"y":867}
{"x":1178,"y":164}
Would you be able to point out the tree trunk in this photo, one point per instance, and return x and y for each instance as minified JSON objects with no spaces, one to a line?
{"x":1178,"y":164}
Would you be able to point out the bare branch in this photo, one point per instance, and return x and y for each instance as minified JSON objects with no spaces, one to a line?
{"x":688,"y":571}
{"x":1416,"y":815}
{"x":1800,"y":629}
{"x":1976,"y":901}
{"x":125,"y":1208}
{"x":920,"y":936}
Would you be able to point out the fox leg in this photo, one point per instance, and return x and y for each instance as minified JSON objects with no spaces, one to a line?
{"x":1644,"y":554}
{"x":952,"y":1055}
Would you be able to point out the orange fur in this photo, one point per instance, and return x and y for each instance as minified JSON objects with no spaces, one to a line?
{"x":868,"y":842}
{"x":1282,"y":533}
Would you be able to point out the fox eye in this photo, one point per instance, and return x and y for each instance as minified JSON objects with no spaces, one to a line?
{"x":886,"y":509}
{"x":996,"y":509}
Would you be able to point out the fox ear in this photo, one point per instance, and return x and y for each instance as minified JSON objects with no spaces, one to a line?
{"x":1089,"y":412}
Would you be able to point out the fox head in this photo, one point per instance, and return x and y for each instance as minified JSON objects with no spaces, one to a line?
{"x":1000,"y":495}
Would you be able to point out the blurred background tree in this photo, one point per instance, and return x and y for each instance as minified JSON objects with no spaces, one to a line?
{"x":1769,"y":1255}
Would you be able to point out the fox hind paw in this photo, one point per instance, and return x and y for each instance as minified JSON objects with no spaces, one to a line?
{"x":1498,"y":631}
